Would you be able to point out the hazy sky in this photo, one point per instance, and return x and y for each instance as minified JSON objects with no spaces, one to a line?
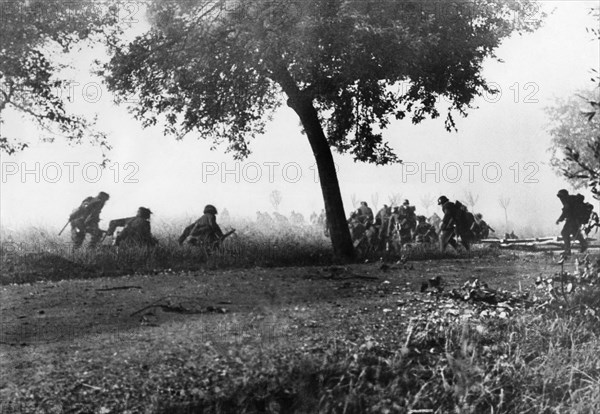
{"x":499,"y":150}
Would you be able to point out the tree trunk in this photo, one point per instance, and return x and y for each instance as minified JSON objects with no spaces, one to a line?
{"x":334,"y":207}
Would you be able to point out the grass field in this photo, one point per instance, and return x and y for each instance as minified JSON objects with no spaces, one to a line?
{"x":283,"y":329}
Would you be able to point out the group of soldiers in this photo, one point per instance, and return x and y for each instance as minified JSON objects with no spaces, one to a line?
{"x":136,"y":230}
{"x":391,"y":228}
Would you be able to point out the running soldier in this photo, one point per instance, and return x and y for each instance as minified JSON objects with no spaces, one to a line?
{"x":572,"y":212}
{"x":447,"y":228}
{"x":457,"y":221}
{"x":136,"y":230}
{"x":85,"y":220}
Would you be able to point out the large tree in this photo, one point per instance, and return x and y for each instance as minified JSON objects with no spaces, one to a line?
{"x":219,"y":69}
{"x":32,"y":33}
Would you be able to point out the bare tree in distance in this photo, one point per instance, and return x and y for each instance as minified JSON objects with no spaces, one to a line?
{"x":275,"y":197}
{"x":504,"y":203}
{"x":375,"y":201}
{"x":394,"y":199}
{"x":354,"y":201}
{"x":471,"y":199}
{"x":427,"y":201}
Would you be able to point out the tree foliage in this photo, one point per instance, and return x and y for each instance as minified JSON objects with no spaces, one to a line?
{"x":575,"y":128}
{"x":575,"y":131}
{"x":32,"y":32}
{"x":219,"y":68}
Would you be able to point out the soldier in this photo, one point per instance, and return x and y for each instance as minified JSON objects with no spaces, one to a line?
{"x":383,"y":214}
{"x":456,"y":222}
{"x":570,"y":213}
{"x":435,"y":221}
{"x":85,"y":220}
{"x":409,"y":220}
{"x":365,"y":214}
{"x":136,"y":230}
{"x":447,"y":228}
{"x":424,"y":232}
{"x":484,"y":228}
{"x":382,"y":223}
{"x":205,"y":231}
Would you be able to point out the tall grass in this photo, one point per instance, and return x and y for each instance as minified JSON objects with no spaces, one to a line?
{"x":38,"y":253}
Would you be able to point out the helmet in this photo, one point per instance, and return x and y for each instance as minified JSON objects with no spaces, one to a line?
{"x":103,"y":195}
{"x":442,"y":200}
{"x":562,"y":193}
{"x":210,"y":209}
{"x":421,"y":218}
{"x":406,"y":203}
{"x":478,"y":216}
{"x":144,"y":212}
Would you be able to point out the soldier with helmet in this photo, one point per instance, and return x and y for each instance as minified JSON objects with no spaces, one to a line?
{"x":570,"y":213}
{"x":136,"y":230}
{"x":457,"y":221}
{"x":484,"y":228}
{"x":85,"y":220}
{"x":447,"y":228}
{"x":205,"y":231}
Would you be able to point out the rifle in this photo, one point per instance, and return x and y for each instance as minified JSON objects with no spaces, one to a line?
{"x":229,"y":233}
{"x":63,"y":229}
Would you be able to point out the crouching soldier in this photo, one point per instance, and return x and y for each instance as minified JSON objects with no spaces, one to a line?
{"x":85,"y":220}
{"x":484,"y":228}
{"x":204,"y":232}
{"x":136,"y":230}
{"x":424,"y":232}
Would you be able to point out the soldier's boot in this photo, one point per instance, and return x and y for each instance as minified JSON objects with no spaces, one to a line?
{"x":77,"y":237}
{"x":96,"y":237}
{"x":583,"y":244}
{"x":567,"y":239}
{"x":453,"y":243}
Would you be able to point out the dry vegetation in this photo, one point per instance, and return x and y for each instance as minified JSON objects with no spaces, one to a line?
{"x":306,"y":338}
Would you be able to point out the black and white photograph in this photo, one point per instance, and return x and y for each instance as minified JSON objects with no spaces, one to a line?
{"x":299,"y":206}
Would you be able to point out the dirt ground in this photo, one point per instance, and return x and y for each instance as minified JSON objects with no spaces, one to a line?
{"x":49,"y":312}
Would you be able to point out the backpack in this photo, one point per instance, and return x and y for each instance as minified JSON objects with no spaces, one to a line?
{"x":583,"y":210}
{"x":463,"y":217}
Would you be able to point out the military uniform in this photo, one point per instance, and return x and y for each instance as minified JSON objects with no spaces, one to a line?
{"x":85,"y":220}
{"x":484,"y":228}
{"x":365,"y":214}
{"x":203,"y":232}
{"x":572,"y":225}
{"x":136,"y":230}
{"x":447,"y":228}
{"x":424,"y":232}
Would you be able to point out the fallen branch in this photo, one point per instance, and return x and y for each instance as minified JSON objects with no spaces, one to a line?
{"x":118,"y":288}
